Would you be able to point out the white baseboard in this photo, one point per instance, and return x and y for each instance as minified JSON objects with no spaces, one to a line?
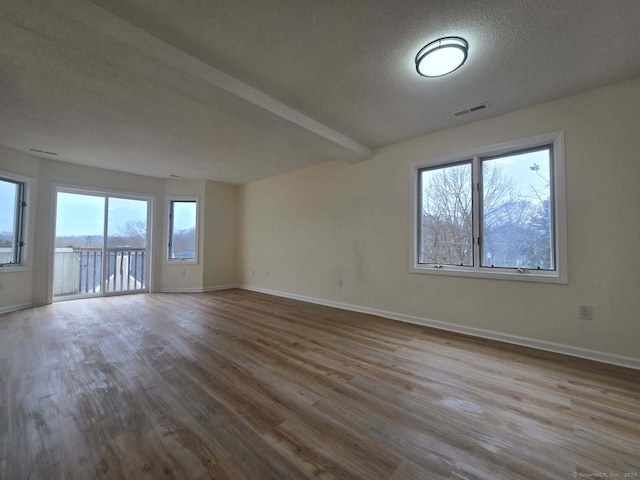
{"x":198,"y":289}
{"x":598,"y":356}
{"x":14,"y":308}
{"x":181,"y":290}
{"x":220,"y":287}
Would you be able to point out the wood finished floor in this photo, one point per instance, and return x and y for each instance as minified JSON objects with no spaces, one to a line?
{"x":234,"y":385}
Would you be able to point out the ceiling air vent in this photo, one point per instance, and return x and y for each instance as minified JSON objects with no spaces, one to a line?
{"x":482,"y":106}
{"x":43,"y":151}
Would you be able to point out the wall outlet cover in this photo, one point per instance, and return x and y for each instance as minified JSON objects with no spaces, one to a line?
{"x":585,"y":312}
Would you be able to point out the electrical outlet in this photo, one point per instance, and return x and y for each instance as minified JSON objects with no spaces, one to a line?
{"x":340,"y":283}
{"x":266,"y":273}
{"x":585,"y":312}
{"x":183,"y":273}
{"x":253,"y":272}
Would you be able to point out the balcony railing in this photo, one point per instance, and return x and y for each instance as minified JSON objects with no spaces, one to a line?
{"x":6,"y":254}
{"x":79,"y":270}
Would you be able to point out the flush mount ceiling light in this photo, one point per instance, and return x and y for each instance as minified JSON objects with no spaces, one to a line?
{"x":442,"y":56}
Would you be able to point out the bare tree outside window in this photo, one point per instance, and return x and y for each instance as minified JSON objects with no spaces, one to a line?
{"x":516,"y":224}
{"x":135,"y":233}
{"x":447,"y":223}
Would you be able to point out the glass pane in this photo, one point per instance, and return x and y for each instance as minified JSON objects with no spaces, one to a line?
{"x":517,"y":220}
{"x":78,"y":245}
{"x":446,"y":217}
{"x":126,"y":244}
{"x":183,"y":230}
{"x":8,"y":198}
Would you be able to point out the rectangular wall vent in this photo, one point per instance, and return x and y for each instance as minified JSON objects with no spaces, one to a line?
{"x":482,"y":106}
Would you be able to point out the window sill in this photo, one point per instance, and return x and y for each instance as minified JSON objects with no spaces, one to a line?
{"x":177,"y":261}
{"x":494,"y":274}
{"x":14,"y":268}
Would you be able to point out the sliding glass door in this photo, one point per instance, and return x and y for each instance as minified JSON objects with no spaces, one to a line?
{"x":101,"y":244}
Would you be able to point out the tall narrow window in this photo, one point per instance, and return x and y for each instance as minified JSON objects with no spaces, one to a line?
{"x":12,"y":215}
{"x":183,"y":230}
{"x":495,"y":212}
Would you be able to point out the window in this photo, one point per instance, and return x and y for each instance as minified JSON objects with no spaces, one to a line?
{"x":497,"y":212}
{"x":13,"y":204}
{"x":183,"y":229}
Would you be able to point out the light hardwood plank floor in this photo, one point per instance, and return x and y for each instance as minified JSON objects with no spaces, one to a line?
{"x":241,"y":385}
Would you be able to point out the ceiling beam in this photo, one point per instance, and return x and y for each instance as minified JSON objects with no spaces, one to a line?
{"x":120,"y":29}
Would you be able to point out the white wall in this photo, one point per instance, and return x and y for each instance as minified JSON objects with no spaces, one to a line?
{"x":314,"y":226}
{"x":220,"y":253}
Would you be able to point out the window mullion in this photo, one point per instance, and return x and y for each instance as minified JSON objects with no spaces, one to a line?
{"x":477,"y":189}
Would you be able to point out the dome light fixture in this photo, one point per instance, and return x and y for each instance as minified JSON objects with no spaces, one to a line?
{"x":442,"y":56}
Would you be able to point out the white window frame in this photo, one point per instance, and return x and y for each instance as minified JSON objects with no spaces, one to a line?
{"x":169,"y":202}
{"x":559,"y":275}
{"x":25,"y":222}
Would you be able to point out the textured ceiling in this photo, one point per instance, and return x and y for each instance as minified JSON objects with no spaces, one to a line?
{"x":240,"y":90}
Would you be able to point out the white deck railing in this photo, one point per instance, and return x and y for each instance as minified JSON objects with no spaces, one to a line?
{"x":79,"y":270}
